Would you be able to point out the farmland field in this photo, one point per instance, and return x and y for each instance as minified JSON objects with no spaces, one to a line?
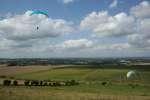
{"x":90,"y":87}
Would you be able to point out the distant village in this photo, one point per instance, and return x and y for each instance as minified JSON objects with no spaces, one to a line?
{"x":75,"y":61}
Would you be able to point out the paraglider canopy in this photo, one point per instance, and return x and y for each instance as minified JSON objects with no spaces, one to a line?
{"x":131,"y":74}
{"x":39,"y":12}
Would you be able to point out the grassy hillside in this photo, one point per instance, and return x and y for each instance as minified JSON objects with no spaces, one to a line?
{"x":90,"y":87}
{"x":45,"y":93}
{"x":83,"y":74}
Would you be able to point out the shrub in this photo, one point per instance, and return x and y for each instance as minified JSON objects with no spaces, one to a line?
{"x":15,"y":82}
{"x":132,"y":85}
{"x":41,"y":83}
{"x":12,"y":64}
{"x":62,"y":83}
{"x":27,"y":83}
{"x":58,"y":84}
{"x":68,"y":83}
{"x":50,"y":84}
{"x":7,"y":82}
{"x":45,"y":84}
{"x":137,"y":85}
{"x":3,"y":76}
{"x":104,"y":83}
{"x":11,"y":77}
{"x":73,"y":82}
{"x":54,"y":84}
{"x":34,"y":83}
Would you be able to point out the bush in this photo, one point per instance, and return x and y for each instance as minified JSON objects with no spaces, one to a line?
{"x":15,"y":82}
{"x":132,"y":85}
{"x":104,"y":83}
{"x":27,"y":83}
{"x":3,"y":76}
{"x":50,"y":84}
{"x":54,"y":84}
{"x":12,"y":64}
{"x":11,"y":77}
{"x":34,"y":83}
{"x":41,"y":83}
{"x":45,"y":84}
{"x":68,"y":83}
{"x":58,"y":84}
{"x":7,"y":82}
{"x":73,"y":82}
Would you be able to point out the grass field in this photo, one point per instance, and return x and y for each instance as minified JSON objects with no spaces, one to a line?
{"x":90,"y":87}
{"x":49,"y":93}
{"x":84,"y":74}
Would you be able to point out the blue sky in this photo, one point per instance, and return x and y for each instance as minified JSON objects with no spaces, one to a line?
{"x":75,"y":28}
{"x":56,"y":9}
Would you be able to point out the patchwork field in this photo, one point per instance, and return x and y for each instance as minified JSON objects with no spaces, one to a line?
{"x":13,"y":70}
{"x":90,"y":87}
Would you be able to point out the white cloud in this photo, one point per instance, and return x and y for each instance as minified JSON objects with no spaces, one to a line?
{"x":113,"y":4}
{"x":135,"y":26}
{"x":24,"y":27}
{"x":110,"y":47}
{"x":5,"y":44}
{"x":68,"y":47}
{"x":138,"y":41}
{"x":19,"y":35}
{"x":77,"y":44}
{"x":68,"y":1}
{"x":101,"y":24}
{"x":95,"y":49}
{"x":141,"y":38}
{"x":84,"y":47}
{"x":142,"y":10}
{"x":73,"y":45}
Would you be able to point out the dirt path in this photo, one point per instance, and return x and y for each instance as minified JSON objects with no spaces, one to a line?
{"x":9,"y":71}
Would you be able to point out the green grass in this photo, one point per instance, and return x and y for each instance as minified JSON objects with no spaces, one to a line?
{"x":84,"y":92}
{"x":83,"y":74}
{"x":90,"y":87}
{"x":91,"y":80}
{"x":72,"y":73}
{"x":55,"y":74}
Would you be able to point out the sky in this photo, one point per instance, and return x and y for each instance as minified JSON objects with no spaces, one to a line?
{"x":74,"y":28}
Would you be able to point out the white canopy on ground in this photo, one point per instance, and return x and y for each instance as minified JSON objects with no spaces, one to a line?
{"x":131,"y":74}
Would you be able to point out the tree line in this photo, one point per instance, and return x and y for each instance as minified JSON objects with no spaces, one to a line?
{"x":39,"y":83}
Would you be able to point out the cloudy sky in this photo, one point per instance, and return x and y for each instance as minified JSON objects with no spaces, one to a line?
{"x":74,"y":28}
